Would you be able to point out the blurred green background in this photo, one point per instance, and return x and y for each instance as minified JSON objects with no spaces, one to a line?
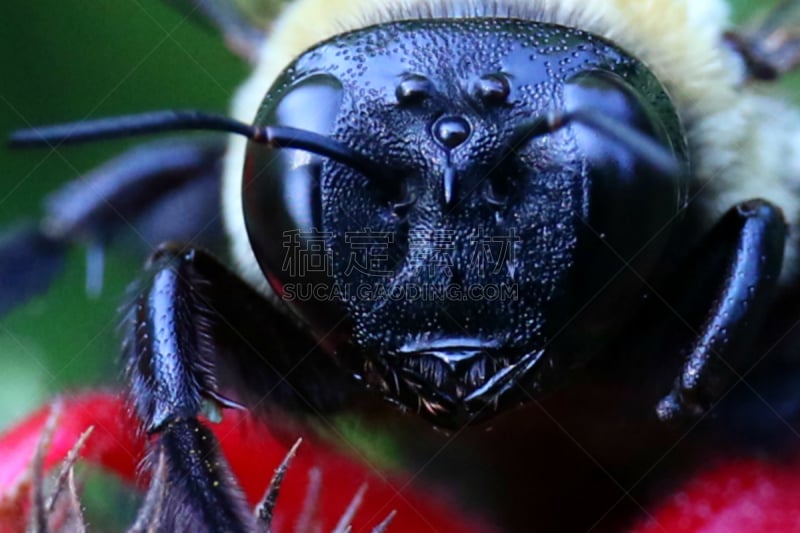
{"x":65,"y":61}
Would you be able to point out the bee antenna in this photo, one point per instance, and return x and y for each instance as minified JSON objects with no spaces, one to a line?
{"x":644,"y":146}
{"x":171,"y":120}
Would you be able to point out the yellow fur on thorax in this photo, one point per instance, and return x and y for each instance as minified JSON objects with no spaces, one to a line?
{"x":680,"y":41}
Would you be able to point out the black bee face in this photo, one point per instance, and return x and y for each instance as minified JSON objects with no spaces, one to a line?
{"x":454,"y":273}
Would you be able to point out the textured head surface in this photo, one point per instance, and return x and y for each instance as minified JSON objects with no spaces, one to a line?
{"x":741,"y":143}
{"x":497,"y":243}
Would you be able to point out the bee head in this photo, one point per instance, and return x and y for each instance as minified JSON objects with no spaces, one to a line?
{"x":519,"y":177}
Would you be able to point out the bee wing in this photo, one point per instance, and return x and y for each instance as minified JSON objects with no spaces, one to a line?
{"x":770,"y":45}
{"x":785,"y":13}
{"x":244,"y":29}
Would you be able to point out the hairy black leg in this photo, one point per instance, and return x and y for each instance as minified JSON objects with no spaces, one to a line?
{"x":199,"y":339}
{"x":739,"y":264}
{"x":143,"y":187}
{"x":771,"y":48}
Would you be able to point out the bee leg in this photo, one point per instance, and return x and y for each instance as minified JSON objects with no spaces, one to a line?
{"x":195,"y":334}
{"x":29,"y":261}
{"x":242,"y":37}
{"x":771,"y":48}
{"x":116,"y":195}
{"x":737,"y":268}
{"x":141,"y":189}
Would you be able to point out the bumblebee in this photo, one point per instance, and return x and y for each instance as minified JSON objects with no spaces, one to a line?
{"x":460,"y":208}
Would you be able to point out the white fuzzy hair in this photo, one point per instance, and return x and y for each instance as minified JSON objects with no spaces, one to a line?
{"x":743,"y":144}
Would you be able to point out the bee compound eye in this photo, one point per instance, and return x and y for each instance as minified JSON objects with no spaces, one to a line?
{"x":281,"y":191}
{"x":622,"y":185}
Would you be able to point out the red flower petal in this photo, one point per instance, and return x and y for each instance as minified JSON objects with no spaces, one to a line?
{"x":112,"y":445}
{"x":741,"y":496}
{"x":253,"y":452}
{"x":419,"y":509}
